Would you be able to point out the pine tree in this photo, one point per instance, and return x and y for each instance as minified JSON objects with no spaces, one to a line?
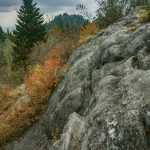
{"x":2,"y":35}
{"x":30,"y":29}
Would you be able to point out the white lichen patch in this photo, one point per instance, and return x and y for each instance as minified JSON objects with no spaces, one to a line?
{"x":112,"y":128}
{"x":102,"y":137}
{"x":148,"y":113}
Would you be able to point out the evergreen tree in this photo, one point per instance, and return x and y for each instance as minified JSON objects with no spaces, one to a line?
{"x":30,"y":29}
{"x":2,"y":39}
{"x":2,"y":35}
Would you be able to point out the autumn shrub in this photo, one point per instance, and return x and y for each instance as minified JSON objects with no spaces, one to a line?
{"x":62,"y":52}
{"x":56,"y":40}
{"x":14,"y":121}
{"x":144,"y":16}
{"x":39,"y":52}
{"x":38,"y":86}
{"x":4,"y":96}
{"x":56,"y":32}
{"x":87,"y":31}
{"x":41,"y":83}
{"x":17,"y":115}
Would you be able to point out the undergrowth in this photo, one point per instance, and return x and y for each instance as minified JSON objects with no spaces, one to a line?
{"x":19,"y":109}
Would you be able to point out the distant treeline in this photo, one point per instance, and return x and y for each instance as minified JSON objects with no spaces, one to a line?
{"x":67,"y":22}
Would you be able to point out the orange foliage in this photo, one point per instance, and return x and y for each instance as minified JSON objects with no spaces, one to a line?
{"x":62,"y":52}
{"x":42,"y":82}
{"x":39,"y":85}
{"x":14,"y":121}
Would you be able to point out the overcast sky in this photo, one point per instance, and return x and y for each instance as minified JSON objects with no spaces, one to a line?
{"x":51,"y":8}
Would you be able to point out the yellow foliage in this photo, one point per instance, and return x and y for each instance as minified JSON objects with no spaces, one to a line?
{"x":44,"y":79}
{"x":56,"y":32}
{"x":144,"y":16}
{"x":88,"y":31}
{"x":132,"y":28}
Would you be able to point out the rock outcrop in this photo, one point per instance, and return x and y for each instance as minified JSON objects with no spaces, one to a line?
{"x":103,"y":103}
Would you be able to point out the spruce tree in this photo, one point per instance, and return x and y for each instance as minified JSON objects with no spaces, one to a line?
{"x":2,"y":35}
{"x":30,"y":29}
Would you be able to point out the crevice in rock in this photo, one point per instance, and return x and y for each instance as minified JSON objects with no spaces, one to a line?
{"x":145,"y":119}
{"x":135,"y":63}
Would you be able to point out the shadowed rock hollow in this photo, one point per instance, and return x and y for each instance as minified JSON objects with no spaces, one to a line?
{"x":103,"y":103}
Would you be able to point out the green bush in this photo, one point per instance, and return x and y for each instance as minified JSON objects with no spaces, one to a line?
{"x":109,"y":11}
{"x":147,"y":5}
{"x":135,"y":3}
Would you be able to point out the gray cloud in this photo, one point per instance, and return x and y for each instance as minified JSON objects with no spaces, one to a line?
{"x":55,"y":5}
{"x":8,"y":5}
{"x":8,"y":9}
{"x":58,"y":3}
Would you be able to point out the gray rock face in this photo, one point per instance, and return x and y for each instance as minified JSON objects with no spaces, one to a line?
{"x":103,"y":103}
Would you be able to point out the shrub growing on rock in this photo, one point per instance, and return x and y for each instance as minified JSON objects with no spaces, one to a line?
{"x":144,"y":16}
{"x":88,"y":31}
{"x":39,"y":85}
{"x":43,"y":81}
{"x":109,"y":11}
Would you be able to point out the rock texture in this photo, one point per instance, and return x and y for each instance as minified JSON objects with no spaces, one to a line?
{"x":103,"y":103}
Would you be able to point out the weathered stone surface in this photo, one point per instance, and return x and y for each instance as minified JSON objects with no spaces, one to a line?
{"x":103,"y":103}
